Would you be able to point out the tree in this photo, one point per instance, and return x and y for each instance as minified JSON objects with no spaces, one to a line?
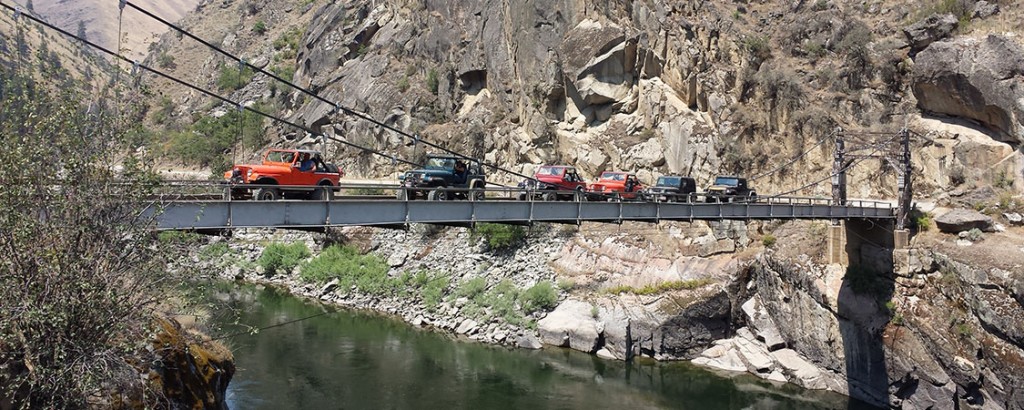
{"x":81,"y":276}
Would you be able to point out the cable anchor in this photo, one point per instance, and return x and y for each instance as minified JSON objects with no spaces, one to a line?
{"x":121,"y":4}
{"x":17,"y":13}
{"x":135,"y":67}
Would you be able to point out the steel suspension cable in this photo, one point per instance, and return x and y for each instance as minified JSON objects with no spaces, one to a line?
{"x":337,"y":106}
{"x":205,"y":91}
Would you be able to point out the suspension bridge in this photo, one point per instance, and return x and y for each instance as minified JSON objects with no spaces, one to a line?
{"x":498,"y":206}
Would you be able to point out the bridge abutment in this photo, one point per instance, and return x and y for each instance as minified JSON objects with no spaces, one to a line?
{"x":870,"y":244}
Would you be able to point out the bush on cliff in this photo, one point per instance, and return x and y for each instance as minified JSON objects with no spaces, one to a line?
{"x":368,"y":273}
{"x":81,"y":274}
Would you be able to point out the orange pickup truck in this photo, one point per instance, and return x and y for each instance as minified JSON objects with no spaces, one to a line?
{"x":285,"y":173}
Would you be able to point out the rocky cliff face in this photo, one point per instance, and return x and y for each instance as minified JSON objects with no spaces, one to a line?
{"x":700,"y":88}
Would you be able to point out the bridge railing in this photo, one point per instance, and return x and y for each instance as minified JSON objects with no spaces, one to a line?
{"x":179,"y":190}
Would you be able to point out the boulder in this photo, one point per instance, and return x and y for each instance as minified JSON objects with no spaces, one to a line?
{"x":983,"y":9}
{"x":764,"y":327}
{"x":925,"y":32}
{"x":959,"y":220}
{"x":1014,"y":218}
{"x":975,"y":79}
{"x":801,"y":371}
{"x":571,"y":325}
{"x":528,"y":341}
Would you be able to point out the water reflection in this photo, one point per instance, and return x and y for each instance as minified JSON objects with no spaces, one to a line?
{"x":358,"y":360}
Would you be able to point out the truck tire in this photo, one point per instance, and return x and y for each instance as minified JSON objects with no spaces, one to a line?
{"x":268,"y":194}
{"x":580,"y":196}
{"x":323,"y":192}
{"x":438,"y":194}
{"x":549,"y":196}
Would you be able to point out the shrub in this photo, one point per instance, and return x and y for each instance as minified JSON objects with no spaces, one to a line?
{"x":499,"y":236}
{"x":233,"y":78}
{"x":432,"y":81}
{"x":472,"y":288}
{"x":659,"y":288}
{"x":278,"y":257}
{"x":759,"y":47}
{"x":768,"y":240}
{"x":538,"y":297}
{"x":260,"y":27}
{"x":81,"y":282}
{"x":403,"y":84}
{"x":434,"y":289}
{"x":368,"y":273}
{"x":922,"y":221}
{"x":214,"y":251}
{"x":165,"y":60}
{"x":205,"y":142}
{"x":974,"y":235}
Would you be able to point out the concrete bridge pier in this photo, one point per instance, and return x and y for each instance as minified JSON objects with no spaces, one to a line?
{"x":866,"y":243}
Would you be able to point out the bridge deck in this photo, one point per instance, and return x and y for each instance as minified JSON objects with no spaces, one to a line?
{"x":184,"y":215}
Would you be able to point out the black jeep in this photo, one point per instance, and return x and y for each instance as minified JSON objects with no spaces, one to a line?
{"x":670,"y":188}
{"x":444,"y":177}
{"x":728,"y":189}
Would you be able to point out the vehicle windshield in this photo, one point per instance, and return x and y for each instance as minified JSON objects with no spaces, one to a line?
{"x":668,"y":181}
{"x":727,"y":181}
{"x":614,"y":176}
{"x":281,"y":156}
{"x":556,"y":171}
{"x":440,"y":163}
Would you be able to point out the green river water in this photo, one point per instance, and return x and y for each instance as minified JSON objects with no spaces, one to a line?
{"x":345,"y":359}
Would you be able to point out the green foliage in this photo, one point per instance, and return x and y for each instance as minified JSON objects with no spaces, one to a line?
{"x":205,"y":142}
{"x":214,"y":251}
{"x":659,"y":288}
{"x":922,"y":221}
{"x":165,"y":60}
{"x":963,"y":330}
{"x":433,"y":288}
{"x":432,"y":81}
{"x":853,"y":44}
{"x":287,"y":72}
{"x":403,"y":84}
{"x":177,"y":237}
{"x":472,"y":288}
{"x":539,"y":297}
{"x":233,"y":78}
{"x":500,"y":236}
{"x":820,"y":5}
{"x":163,"y":111}
{"x":768,"y":240}
{"x":759,"y":47}
{"x":279,"y":257}
{"x":260,"y":27}
{"x":81,"y":274}
{"x":1003,"y":180}
{"x":289,"y":39}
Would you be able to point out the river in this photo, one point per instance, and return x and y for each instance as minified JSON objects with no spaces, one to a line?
{"x":332,"y":358}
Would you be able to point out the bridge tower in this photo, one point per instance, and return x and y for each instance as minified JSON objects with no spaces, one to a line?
{"x":894,"y":150}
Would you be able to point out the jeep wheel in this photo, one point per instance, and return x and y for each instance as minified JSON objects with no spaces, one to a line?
{"x":268,"y":194}
{"x":476,"y":194}
{"x":549,"y":196}
{"x":323,"y":192}
{"x":580,"y":195}
{"x":522,"y":196}
{"x":438,"y":194}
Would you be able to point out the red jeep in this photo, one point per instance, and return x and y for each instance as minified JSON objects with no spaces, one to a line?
{"x":615,"y":185}
{"x":554,"y":182}
{"x":295,"y":173}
